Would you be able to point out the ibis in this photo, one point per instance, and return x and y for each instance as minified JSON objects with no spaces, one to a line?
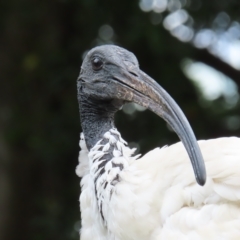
{"x":157,"y":196}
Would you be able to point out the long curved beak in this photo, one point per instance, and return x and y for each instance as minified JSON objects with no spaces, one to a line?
{"x":138,"y":87}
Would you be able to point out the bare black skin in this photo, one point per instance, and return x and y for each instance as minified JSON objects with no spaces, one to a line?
{"x":109,"y":77}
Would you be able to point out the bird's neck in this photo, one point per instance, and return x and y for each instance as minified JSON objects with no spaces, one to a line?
{"x":95,"y":120}
{"x":108,"y":154}
{"x":107,"y":159}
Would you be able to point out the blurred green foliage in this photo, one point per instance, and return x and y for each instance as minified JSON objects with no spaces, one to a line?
{"x":41,"y":45}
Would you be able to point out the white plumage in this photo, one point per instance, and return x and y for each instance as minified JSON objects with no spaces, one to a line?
{"x":157,"y":196}
{"x":125,"y":197}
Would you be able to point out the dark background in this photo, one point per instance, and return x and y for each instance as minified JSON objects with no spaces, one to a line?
{"x":41,"y":49}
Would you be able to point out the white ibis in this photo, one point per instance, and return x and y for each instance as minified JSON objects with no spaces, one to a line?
{"x":125,"y":197}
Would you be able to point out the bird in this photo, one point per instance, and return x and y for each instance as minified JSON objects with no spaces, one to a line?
{"x":157,"y":196}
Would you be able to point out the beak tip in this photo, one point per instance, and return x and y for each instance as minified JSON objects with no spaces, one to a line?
{"x":201,"y":180}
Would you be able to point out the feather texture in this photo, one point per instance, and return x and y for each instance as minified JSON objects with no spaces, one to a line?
{"x":156,"y":197}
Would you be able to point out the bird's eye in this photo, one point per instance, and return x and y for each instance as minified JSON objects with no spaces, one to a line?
{"x":97,"y":63}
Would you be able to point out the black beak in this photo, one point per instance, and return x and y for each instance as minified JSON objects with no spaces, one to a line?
{"x":136,"y":86}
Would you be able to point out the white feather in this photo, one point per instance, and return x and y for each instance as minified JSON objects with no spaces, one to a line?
{"x":157,"y":196}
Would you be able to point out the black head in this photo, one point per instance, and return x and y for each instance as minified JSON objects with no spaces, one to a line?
{"x":100,"y":73}
{"x":110,"y":75}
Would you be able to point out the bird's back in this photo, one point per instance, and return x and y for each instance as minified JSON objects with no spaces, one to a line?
{"x":158,"y":198}
{"x":182,"y":209}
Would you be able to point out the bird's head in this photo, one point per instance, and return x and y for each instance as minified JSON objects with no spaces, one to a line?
{"x":111,"y":76}
{"x":106,"y":75}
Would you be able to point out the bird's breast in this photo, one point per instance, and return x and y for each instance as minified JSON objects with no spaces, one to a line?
{"x":107,"y":159}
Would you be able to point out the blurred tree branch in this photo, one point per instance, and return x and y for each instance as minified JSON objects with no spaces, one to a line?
{"x":209,"y":59}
